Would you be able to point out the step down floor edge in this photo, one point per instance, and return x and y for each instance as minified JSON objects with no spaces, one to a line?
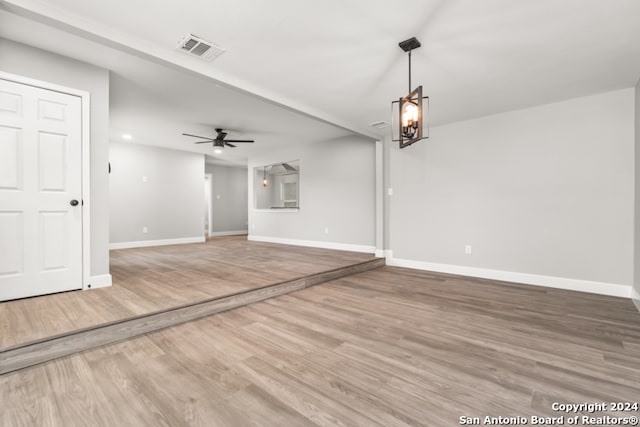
{"x":44,"y":350}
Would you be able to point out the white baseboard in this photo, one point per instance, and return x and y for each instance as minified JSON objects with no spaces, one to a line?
{"x":315,"y":244}
{"x":383,"y":253}
{"x":163,"y":242}
{"x":101,"y":281}
{"x":228,"y":233}
{"x":635,"y":297}
{"x":601,"y":288}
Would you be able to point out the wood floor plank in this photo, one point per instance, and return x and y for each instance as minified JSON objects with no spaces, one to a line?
{"x":39,"y":412}
{"x":390,"y":347}
{"x":303,"y":396}
{"x":19,"y":357}
{"x":148,"y":280}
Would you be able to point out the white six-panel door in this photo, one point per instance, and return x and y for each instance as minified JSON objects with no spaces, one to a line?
{"x":40,"y":176}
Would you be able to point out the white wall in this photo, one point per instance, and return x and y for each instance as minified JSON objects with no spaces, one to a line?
{"x":263,"y":196}
{"x":336,"y":191}
{"x":38,"y":64}
{"x":637,"y":197}
{"x":228,"y":198}
{"x":544,"y":191}
{"x":171,"y":201}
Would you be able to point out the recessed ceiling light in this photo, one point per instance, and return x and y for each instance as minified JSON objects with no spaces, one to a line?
{"x":217,"y":151}
{"x":126,"y":136}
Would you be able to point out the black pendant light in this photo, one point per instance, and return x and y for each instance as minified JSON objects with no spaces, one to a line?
{"x":412,"y":109}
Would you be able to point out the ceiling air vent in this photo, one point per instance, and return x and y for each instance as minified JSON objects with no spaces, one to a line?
{"x":380,"y":125}
{"x":194,"y":45}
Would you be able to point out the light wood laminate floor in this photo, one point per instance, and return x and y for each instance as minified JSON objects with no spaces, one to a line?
{"x":389,"y":347}
{"x":147,"y":280}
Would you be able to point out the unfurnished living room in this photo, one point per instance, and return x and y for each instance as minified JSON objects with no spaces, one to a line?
{"x":296,"y":213}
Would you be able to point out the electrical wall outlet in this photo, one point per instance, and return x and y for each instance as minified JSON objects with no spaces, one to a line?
{"x":145,"y":229}
{"x":144,"y":178}
{"x":467,"y":249}
{"x":390,"y":191}
{"x":326,"y":230}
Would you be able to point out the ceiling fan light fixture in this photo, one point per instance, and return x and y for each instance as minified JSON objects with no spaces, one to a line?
{"x":217,"y":151}
{"x":219,"y":141}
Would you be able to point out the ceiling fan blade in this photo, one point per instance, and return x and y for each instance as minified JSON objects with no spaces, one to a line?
{"x":196,"y":136}
{"x":203,"y":142}
{"x":250,"y":141}
{"x":229,"y":145}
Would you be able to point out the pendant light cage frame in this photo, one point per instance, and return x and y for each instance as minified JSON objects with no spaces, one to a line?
{"x":396,"y":121}
{"x":415,"y":126}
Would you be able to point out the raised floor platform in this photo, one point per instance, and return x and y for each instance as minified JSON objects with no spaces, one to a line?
{"x":162,"y":286}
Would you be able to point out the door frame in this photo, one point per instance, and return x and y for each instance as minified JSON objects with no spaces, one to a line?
{"x":85,"y":99}
{"x":209,"y":176}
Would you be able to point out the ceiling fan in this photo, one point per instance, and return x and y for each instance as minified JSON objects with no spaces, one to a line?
{"x":219,"y":140}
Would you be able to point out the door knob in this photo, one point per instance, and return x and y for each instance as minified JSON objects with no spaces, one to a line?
{"x":74,"y":202}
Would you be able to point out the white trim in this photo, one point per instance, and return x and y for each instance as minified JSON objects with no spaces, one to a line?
{"x":162,"y":242}
{"x":635,"y":297}
{"x":101,"y":281}
{"x":612,"y":289}
{"x":209,"y":177}
{"x":85,"y":98}
{"x":279,"y":210}
{"x":315,"y":244}
{"x":41,"y":84}
{"x":388,"y":254}
{"x":379,"y":198}
{"x":86,"y":191}
{"x":228,"y":233}
{"x":383,"y":253}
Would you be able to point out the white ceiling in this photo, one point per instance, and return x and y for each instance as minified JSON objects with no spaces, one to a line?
{"x":188,"y":104}
{"x":156,"y":103}
{"x":338,"y":60}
